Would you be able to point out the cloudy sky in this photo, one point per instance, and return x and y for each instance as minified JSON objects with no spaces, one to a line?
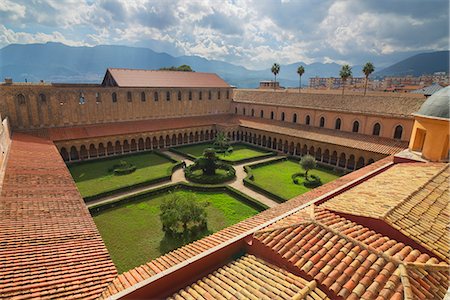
{"x":253,"y":33}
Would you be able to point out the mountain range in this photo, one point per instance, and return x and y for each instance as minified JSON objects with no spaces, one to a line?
{"x":56,"y":62}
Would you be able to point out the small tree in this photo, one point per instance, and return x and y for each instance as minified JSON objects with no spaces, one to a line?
{"x":300,"y":72}
{"x":182,"y":216}
{"x":345,"y":73}
{"x":221,"y":141}
{"x":275,"y":70}
{"x":367,"y":70}
{"x":308,"y":162}
{"x":208,"y":162}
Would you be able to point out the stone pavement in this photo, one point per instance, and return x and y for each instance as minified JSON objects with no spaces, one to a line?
{"x":178,"y":176}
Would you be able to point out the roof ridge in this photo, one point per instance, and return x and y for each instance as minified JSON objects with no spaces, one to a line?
{"x":309,"y":287}
{"x":404,"y":278}
{"x":415,"y":192}
{"x":282,"y":227}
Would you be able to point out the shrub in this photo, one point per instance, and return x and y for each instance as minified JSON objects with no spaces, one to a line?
{"x":182,"y":216}
{"x":123,"y":168}
{"x":210,"y":179}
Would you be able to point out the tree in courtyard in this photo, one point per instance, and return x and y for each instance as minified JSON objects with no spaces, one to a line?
{"x":345,"y":73}
{"x":300,"y":72}
{"x":308,"y":162}
{"x":367,"y":70}
{"x":182,"y":216}
{"x":275,"y":71}
{"x":221,"y":141}
{"x":208,"y":162}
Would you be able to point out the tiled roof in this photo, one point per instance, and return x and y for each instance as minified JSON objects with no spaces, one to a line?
{"x":180,"y":255}
{"x":399,"y":105}
{"x":355,"y":262}
{"x":251,"y":278}
{"x":424,"y":215}
{"x":336,"y":137}
{"x":129,"y":127}
{"x":49,"y":245}
{"x":168,"y":79}
{"x":375,"y":197}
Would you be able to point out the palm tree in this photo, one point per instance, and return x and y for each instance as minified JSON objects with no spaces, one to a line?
{"x":300,"y":72}
{"x":367,"y":70}
{"x":345,"y":73}
{"x":275,"y":71}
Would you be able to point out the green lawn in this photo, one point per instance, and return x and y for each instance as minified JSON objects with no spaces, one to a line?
{"x":276,"y":178}
{"x":133,"y":235}
{"x":240,"y":151}
{"x":93,"y":178}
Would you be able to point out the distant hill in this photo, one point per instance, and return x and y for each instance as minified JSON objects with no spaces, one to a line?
{"x":56,"y":62}
{"x":424,"y":63}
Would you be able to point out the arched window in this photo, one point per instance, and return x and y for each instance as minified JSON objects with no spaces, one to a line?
{"x":98,"y":98}
{"x":190,"y":95}
{"x":143,"y":97}
{"x":398,"y":132}
{"x":228,"y":94}
{"x":167,"y":96}
{"x":376,"y":129}
{"x":243,"y":111}
{"x":261,"y":114}
{"x":218,"y":95}
{"x":200,"y":95}
{"x":253,"y":112}
{"x":155,"y":96}
{"x":129,"y":97}
{"x":42,"y":98}
{"x":294,"y":118}
{"x":21,"y":99}
{"x":283,"y":116}
{"x":114,"y":97}
{"x":82,"y":100}
{"x":337,"y":125}
{"x":235,"y":110}
{"x":322,"y":122}
{"x":272,"y":115}
{"x":355,"y":126}
{"x":307,"y":120}
{"x":179,"y":96}
{"x":209,"y":95}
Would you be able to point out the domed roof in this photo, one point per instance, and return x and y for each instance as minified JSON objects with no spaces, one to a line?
{"x":437,"y":105}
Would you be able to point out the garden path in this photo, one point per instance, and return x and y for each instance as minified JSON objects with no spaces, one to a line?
{"x":178,"y":176}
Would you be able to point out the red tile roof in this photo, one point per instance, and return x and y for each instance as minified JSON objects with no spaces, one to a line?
{"x":49,"y":245}
{"x":336,"y":137}
{"x":355,"y":262}
{"x":167,"y":79}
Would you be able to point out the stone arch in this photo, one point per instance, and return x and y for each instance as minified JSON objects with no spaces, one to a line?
{"x":269,"y":142}
{"x":355,"y":127}
{"x":141,"y":144}
{"x":294,"y":118}
{"x":180,"y":139}
{"x":167,"y":142}
{"x":261,"y":114}
{"x":318,"y":154}
{"x":398,"y":132}
{"x":92,"y":151}
{"x":280,"y":145}
{"x":196,"y":136}
{"x":161,"y":142}
{"x":202,"y":136}
{"x":360,"y":162}
{"x":370,"y":161}
{"x":351,"y":162}
{"x":64,"y":154}
{"x":185,"y":138}
{"x":254,"y":140}
{"x":148,"y":143}
{"x":110,"y":148}
{"x":126,"y":146}
{"x":118,"y":148}
{"x":101,"y":150}
{"x":326,"y":156}
{"x":155,"y":142}
{"x":322,"y":122}
{"x":174,"y":140}
{"x":304,"y":150}
{"x":286,"y":146}
{"x":74,"y":153}
{"x":342,"y":160}
{"x":311,"y":150}
{"x":274,"y":144}
{"x":307,"y":120}
{"x":133,"y":145}
{"x":264,"y":141}
{"x":207,"y":135}
{"x":334,"y":158}
{"x":191,"y":137}
{"x":259,"y":139}
{"x":233,"y":136}
{"x":338,"y":124}
{"x":291,"y":148}
{"x":298,"y":149}
{"x":376,"y":129}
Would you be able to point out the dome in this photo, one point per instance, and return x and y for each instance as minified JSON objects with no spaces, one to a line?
{"x":437,"y":105}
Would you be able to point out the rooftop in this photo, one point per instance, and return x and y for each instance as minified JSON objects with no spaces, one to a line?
{"x":167,"y":79}
{"x":389,"y":104}
{"x":437,"y":105}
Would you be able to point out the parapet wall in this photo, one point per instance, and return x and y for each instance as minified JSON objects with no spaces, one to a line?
{"x":5,"y":144}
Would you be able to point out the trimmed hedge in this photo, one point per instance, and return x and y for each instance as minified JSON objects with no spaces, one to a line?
{"x":178,"y":165}
{"x":210,"y":179}
{"x":183,"y":186}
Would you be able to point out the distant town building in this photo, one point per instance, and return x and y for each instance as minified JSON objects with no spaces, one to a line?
{"x":269,"y":84}
{"x":335,"y":82}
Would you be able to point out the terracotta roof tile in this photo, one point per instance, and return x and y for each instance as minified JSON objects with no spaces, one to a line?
{"x":50,"y":246}
{"x":251,"y":278}
{"x":387,"y":104}
{"x":169,"y":79}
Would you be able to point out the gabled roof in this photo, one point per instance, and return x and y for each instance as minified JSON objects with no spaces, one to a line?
{"x":161,"y":79}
